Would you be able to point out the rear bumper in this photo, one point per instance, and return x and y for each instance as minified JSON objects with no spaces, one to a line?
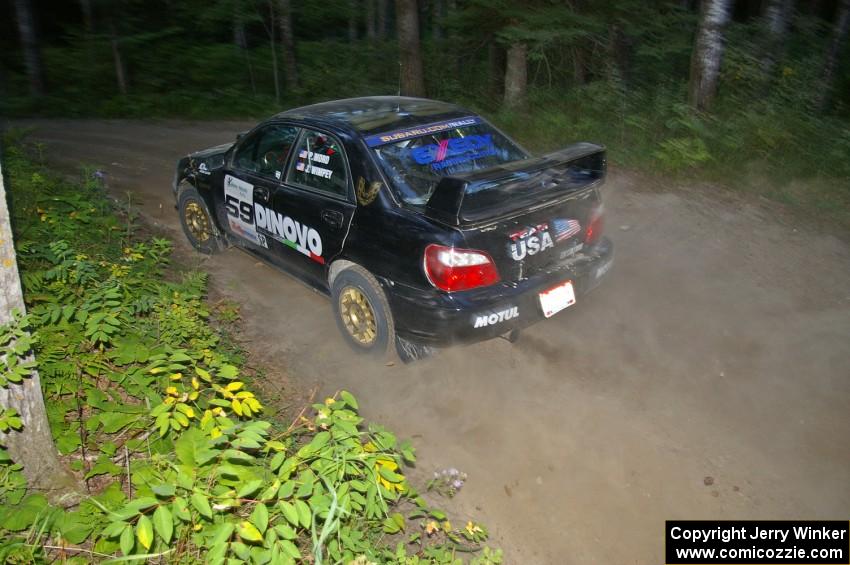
{"x":439,"y":319}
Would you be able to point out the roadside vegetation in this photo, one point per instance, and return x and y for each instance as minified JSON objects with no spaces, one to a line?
{"x":770,"y":116}
{"x":153,"y":409}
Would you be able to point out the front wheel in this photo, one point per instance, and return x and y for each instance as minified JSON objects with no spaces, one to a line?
{"x":362,"y":312}
{"x":196,"y":221}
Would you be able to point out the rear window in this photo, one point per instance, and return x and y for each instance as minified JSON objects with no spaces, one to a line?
{"x":425,"y":154}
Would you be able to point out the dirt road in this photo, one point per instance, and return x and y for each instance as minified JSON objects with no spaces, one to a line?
{"x":719,"y":347}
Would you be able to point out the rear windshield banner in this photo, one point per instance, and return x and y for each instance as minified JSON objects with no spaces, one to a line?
{"x":409,"y":133}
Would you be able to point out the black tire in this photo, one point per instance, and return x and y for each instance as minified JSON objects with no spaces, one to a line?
{"x":197,"y":222}
{"x":359,"y":280}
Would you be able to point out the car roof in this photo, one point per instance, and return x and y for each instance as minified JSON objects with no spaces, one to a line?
{"x":377,"y":114}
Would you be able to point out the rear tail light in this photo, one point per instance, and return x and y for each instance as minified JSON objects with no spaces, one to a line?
{"x":452,"y":269}
{"x":593,"y":231}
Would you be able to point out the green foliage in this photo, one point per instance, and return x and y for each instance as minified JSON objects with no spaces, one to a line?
{"x":681,"y":153}
{"x":614,"y":73}
{"x":157,"y":415}
{"x":15,"y":345}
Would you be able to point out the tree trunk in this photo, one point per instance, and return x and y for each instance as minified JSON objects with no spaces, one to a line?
{"x":287,"y":39}
{"x":88,"y":23}
{"x":88,"y":15}
{"x":407,"y":24}
{"x":241,"y":41}
{"x":353,"y":9}
{"x":579,"y":68}
{"x":777,"y":16}
{"x":383,"y":7}
{"x":272,"y":39}
{"x":708,"y":53}
{"x":516,"y":76}
{"x":32,"y":446}
{"x":117,"y":59}
{"x":620,"y":50}
{"x":438,"y":12}
{"x":452,"y":36}
{"x":31,"y":48}
{"x":370,"y":20}
{"x":496,"y":68}
{"x":839,"y":34}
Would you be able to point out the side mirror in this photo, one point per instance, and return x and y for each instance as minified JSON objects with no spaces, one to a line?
{"x":240,"y":136}
{"x":216,"y":162}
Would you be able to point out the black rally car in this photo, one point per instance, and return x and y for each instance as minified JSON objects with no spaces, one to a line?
{"x":426,"y":225}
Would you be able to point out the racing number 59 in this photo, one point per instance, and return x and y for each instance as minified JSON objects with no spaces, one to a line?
{"x":237,"y":208}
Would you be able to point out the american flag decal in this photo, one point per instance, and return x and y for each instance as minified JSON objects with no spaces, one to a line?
{"x":565,"y":229}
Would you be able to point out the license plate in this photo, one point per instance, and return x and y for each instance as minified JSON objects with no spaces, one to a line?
{"x":556,"y":299}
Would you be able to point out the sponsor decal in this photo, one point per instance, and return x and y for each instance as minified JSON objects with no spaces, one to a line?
{"x":317,"y":157}
{"x":484,"y":320}
{"x":450,"y":152}
{"x":603,"y":268}
{"x":530,"y":241}
{"x":291,"y":233}
{"x":367,"y":195}
{"x":408,"y":133}
{"x":202,"y":168}
{"x":239,"y":201}
{"x":570,"y":251}
{"x":565,"y":229}
{"x":245,"y":217}
{"x":314,"y":169}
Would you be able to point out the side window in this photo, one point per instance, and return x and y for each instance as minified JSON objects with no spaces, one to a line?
{"x":265,"y":151}
{"x":319,"y":164}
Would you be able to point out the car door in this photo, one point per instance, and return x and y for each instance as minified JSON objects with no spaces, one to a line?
{"x":314,"y":206}
{"x":255,"y":171}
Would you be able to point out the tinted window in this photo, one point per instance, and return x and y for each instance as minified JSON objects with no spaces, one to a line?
{"x":265,"y":150}
{"x":319,"y":164}
{"x":416,"y":164}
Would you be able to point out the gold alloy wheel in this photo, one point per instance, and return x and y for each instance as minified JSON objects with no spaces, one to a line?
{"x":197,"y":222}
{"x":358,"y":316}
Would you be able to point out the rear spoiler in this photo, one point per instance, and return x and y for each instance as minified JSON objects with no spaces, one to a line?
{"x":457,"y":198}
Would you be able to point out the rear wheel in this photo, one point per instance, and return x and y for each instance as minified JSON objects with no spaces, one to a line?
{"x":197,"y":222}
{"x":362,"y":312}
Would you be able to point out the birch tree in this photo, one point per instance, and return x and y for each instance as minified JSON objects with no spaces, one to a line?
{"x":32,"y":447}
{"x":516,"y":75}
{"x":777,"y":18}
{"x":270,"y":30}
{"x":708,"y":53}
{"x":30,"y":45}
{"x":117,"y":58}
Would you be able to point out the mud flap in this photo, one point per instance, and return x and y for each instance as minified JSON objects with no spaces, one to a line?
{"x":511,"y":337}
{"x":409,"y":352}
